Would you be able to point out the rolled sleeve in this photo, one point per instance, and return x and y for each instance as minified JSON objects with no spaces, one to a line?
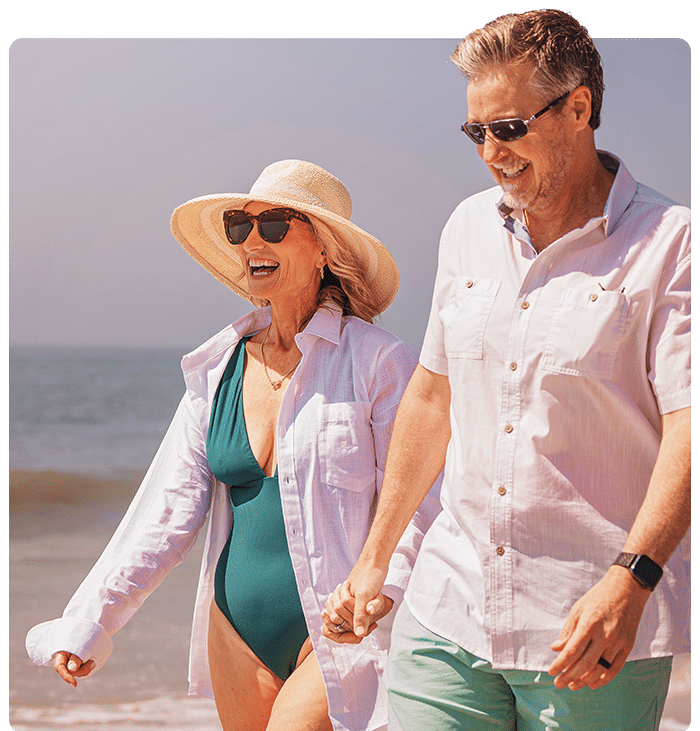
{"x":80,"y":637}
{"x":158,"y":530}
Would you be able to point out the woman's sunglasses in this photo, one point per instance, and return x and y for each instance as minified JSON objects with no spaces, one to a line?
{"x":506,"y":130}
{"x":272,"y":225}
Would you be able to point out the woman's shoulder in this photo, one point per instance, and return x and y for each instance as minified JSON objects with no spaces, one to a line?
{"x":356,"y":327}
{"x":362,"y":335}
{"x":226,"y":338}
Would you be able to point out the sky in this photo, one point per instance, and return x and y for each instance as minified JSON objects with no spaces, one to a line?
{"x":110,"y":131}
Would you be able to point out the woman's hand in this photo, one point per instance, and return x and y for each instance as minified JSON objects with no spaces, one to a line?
{"x":338,"y":616}
{"x":70,"y":667}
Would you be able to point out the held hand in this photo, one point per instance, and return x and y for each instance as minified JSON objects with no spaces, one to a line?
{"x":337,"y":616}
{"x":70,"y":667}
{"x":602,"y":624}
{"x":354,"y":608}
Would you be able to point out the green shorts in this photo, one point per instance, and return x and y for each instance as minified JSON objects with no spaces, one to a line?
{"x":434,"y":685}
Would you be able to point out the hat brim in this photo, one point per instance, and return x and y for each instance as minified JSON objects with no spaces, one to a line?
{"x":198,"y":226}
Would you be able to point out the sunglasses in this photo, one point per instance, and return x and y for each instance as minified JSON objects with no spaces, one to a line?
{"x":506,"y":130}
{"x":272,"y":225}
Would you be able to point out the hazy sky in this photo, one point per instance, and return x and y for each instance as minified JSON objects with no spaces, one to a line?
{"x":108,"y":136}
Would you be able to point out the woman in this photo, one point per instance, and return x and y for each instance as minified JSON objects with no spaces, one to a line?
{"x":283,"y":432}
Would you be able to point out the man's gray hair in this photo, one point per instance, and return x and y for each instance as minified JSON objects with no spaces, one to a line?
{"x":554,"y":43}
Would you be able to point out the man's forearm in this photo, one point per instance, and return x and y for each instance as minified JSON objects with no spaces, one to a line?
{"x":416,"y":457}
{"x":664,"y":517}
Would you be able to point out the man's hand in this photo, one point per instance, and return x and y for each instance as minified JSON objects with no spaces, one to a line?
{"x":602,"y":623}
{"x":354,"y":608}
{"x":70,"y":667}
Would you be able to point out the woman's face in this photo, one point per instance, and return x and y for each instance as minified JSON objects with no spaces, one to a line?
{"x":287,"y":271}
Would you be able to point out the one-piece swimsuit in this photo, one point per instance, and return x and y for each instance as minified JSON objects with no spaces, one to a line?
{"x":255,"y":586}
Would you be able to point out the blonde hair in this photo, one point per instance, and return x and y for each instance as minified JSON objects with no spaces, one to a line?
{"x":344,"y":281}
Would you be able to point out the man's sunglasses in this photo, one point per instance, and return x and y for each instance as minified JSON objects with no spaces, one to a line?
{"x":506,"y":130}
{"x":272,"y":225}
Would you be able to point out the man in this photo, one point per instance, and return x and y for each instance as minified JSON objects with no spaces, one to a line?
{"x":554,"y":389}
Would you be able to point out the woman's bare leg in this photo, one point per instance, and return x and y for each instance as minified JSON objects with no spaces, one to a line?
{"x":244,"y":688}
{"x":301,"y":704}
{"x":250,"y":697}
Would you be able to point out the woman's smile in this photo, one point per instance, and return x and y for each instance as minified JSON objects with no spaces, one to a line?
{"x":262,"y":267}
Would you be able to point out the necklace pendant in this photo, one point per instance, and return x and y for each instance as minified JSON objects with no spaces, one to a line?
{"x":275,"y":383}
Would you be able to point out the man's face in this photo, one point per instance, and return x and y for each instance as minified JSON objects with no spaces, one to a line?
{"x":534,"y":171}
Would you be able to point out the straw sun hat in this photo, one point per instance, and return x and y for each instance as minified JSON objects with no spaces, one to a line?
{"x":305,"y":187}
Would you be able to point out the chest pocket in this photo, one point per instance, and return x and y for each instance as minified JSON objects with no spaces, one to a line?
{"x":466,"y":315}
{"x":586,"y":332}
{"x":346,"y":447}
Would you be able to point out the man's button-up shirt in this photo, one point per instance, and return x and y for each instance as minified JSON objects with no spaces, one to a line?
{"x":560,"y":366}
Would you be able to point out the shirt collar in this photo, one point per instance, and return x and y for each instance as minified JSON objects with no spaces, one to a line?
{"x":325,"y":323}
{"x":621,"y":194}
{"x":211,"y":357}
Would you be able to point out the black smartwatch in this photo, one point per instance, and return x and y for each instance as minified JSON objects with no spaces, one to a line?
{"x":645,"y":571}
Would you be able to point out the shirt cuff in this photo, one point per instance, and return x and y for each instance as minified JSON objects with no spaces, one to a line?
{"x":87,"y":640}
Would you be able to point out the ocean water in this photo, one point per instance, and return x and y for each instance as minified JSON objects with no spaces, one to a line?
{"x":98,"y":411}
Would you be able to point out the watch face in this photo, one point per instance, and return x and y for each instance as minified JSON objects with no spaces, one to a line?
{"x":647,"y":570}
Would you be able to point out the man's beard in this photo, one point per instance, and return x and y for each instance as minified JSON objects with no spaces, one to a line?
{"x":538,"y":199}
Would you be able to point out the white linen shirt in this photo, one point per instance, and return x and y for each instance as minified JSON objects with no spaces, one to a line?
{"x":333,"y":434}
{"x":560,"y":365}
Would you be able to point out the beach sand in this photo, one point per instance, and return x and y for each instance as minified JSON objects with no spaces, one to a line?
{"x":59,"y":524}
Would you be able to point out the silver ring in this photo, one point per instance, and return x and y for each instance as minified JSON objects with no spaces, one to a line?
{"x":339,"y":627}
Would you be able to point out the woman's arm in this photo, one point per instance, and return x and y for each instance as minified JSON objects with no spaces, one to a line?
{"x":155,"y":535}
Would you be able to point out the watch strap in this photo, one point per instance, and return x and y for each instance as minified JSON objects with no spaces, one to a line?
{"x":645,"y":571}
{"x":624,"y":559}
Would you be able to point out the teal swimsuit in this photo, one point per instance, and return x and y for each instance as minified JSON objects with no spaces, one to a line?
{"x":254,"y":585}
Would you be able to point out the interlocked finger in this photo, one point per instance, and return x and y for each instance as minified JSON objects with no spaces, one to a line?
{"x":340,"y":627}
{"x":340,"y":606}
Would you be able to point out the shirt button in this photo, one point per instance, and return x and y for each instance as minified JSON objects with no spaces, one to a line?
{"x":501,"y":490}
{"x":594,"y":297}
{"x":513,"y":366}
{"x":470,"y":283}
{"x":525,"y":305}
{"x":509,"y":428}
{"x":500,"y":550}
